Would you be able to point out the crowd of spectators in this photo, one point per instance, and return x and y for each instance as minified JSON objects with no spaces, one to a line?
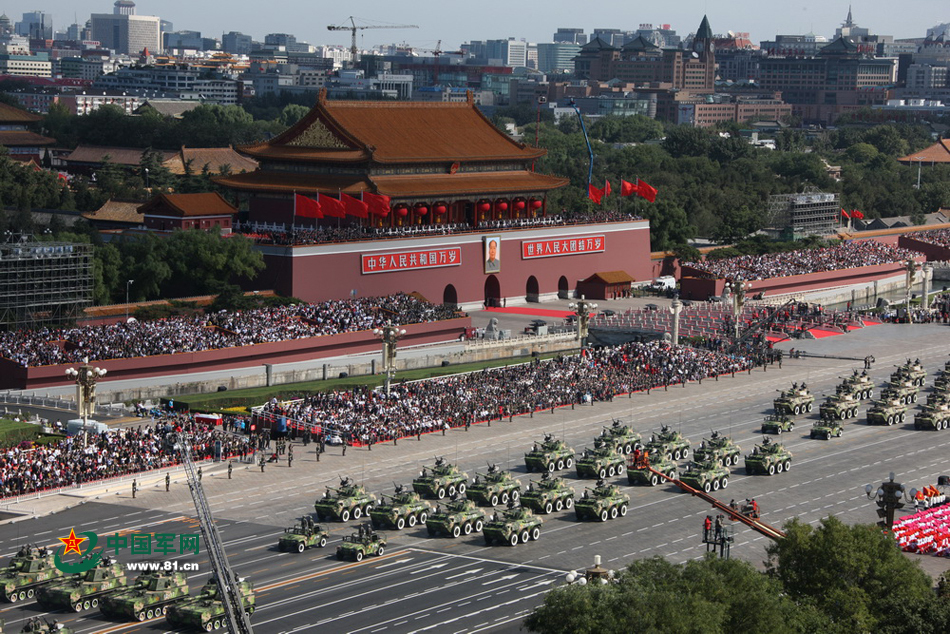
{"x":226,"y":329}
{"x":939,"y":237}
{"x":367,"y":416}
{"x":849,"y":255}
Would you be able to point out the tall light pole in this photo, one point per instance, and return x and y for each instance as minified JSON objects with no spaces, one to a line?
{"x":920,"y":161}
{"x":738,"y":288}
{"x":128,"y":283}
{"x":911,"y":268}
{"x":390,"y":335}
{"x":86,"y":377}
{"x":888,"y":497}
{"x":594,"y":574}
{"x":676,"y":308}
{"x":583,"y":310}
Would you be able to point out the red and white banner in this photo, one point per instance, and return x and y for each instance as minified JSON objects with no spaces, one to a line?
{"x":531,"y":249}
{"x":410,"y":260}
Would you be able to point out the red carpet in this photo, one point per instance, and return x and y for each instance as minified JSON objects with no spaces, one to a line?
{"x":525,"y":310}
{"x":821,"y":334}
{"x":776,"y":338}
{"x":870,"y":322}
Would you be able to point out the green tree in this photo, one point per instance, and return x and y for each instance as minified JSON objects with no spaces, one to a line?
{"x":686,"y":140}
{"x":200,"y":262}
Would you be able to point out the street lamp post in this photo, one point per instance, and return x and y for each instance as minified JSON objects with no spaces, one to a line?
{"x":86,"y":377}
{"x":389,"y":335}
{"x":675,"y":309}
{"x":738,"y":288}
{"x":128,"y":283}
{"x":911,"y":269}
{"x":888,"y":497}
{"x":920,"y":161}
{"x":594,"y":574}
{"x":583,"y":310}
{"x":146,"y":178}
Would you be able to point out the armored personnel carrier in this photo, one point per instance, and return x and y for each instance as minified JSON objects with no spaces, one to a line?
{"x":41,"y":625}
{"x":459,"y":516}
{"x":30,"y":569}
{"x":346,"y":501}
{"x":149,"y":596}
{"x":619,"y":437}
{"x":933,"y":418}
{"x":638,"y":469}
{"x":938,"y":398}
{"x":514,"y":524}
{"x":827,"y":428}
{"x":718,"y":448}
{"x":706,"y":476}
{"x":548,"y":494}
{"x":493,"y":486}
{"x":669,"y":443}
{"x":600,"y":462}
{"x":302,"y":536}
{"x":550,"y":455}
{"x":839,"y":406}
{"x":404,"y":507}
{"x":768,"y":458}
{"x":903,"y":391}
{"x":911,"y":371}
{"x":887,"y":412}
{"x":86,"y":589}
{"x":364,"y":542}
{"x":777,"y":424}
{"x":794,"y":401}
{"x":206,"y":611}
{"x":857,"y":386}
{"x":440,"y":479}
{"x":603,"y":502}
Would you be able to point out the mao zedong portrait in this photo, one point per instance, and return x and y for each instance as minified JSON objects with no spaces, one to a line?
{"x":492,"y":256}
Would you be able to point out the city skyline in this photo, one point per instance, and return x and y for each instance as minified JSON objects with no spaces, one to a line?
{"x":466,"y":22}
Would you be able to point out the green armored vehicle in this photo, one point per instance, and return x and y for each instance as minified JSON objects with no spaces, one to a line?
{"x":887,"y":412}
{"x":938,"y":398}
{"x":768,"y":458}
{"x":349,"y":500}
{"x":857,"y":386}
{"x":777,"y":424}
{"x":933,"y":418}
{"x":206,"y":611}
{"x":552,"y":454}
{"x":718,"y":448}
{"x":706,"y":476}
{"x":942,"y":381}
{"x":603,"y":502}
{"x":440,"y":479}
{"x":827,"y":428}
{"x":494,"y":486}
{"x":364,"y":542}
{"x":619,"y":437}
{"x":302,"y":536}
{"x":459,"y":516}
{"x":404,"y":507}
{"x":903,"y":391}
{"x":794,"y":401}
{"x":149,"y":596}
{"x":600,"y":462}
{"x":86,"y":589}
{"x":839,"y":406}
{"x":514,"y":524}
{"x":31,"y":568}
{"x":40,"y":625}
{"x":638,"y":469}
{"x":669,"y":443}
{"x":911,"y":371}
{"x":548,"y":494}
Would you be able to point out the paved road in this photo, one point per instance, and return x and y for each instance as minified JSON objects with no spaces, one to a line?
{"x":299,"y":591}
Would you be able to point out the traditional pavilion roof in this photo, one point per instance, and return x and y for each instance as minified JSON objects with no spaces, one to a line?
{"x":936,"y":153}
{"x":23,"y":138}
{"x":639,"y":45}
{"x":214,"y":157}
{"x":11,"y":114}
{"x":209,"y":204}
{"x":841,"y":46}
{"x":611,"y":277}
{"x":596,"y":45}
{"x":124,"y":211}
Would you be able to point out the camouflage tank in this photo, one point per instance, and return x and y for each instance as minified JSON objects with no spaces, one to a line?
{"x":364,"y":542}
{"x":600,"y":462}
{"x":827,"y":428}
{"x":514,"y":524}
{"x":777,"y":424}
{"x":840,"y":406}
{"x":603,"y":502}
{"x":402,"y":508}
{"x":30,"y":569}
{"x":302,"y":536}
{"x":904,"y":391}
{"x":718,"y":448}
{"x":41,"y":625}
{"x":938,"y":398}
{"x":911,"y":371}
{"x":706,"y":476}
{"x":206,"y":611}
{"x":441,"y":479}
{"x":933,"y":418}
{"x":548,"y":494}
{"x":86,"y":589}
{"x":669,"y":443}
{"x":638,"y":471}
{"x":857,"y":386}
{"x":149,"y":596}
{"x":619,"y":437}
{"x":794,"y":401}
{"x":887,"y":412}
{"x":768,"y":458}
{"x":346,"y":501}
{"x":459,"y":516}
{"x":942,"y":380}
{"x":552,"y":454}
{"x":496,"y":485}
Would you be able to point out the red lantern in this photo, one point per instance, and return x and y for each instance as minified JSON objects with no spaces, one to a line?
{"x":519,"y":205}
{"x":422,"y":210}
{"x":502,"y":206}
{"x":484,"y":207}
{"x":402,"y":212}
{"x":440,"y":209}
{"x":536,"y":204}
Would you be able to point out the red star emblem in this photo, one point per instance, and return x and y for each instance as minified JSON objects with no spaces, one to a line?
{"x":72,"y":542}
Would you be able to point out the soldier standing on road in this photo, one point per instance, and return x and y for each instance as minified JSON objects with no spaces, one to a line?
{"x":135,"y":487}
{"x":199,"y":474}
{"x":230,"y":468}
{"x":168,"y":482}
{"x":262,"y":463}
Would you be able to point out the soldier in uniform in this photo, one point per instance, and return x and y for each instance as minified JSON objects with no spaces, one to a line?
{"x":135,"y":488}
{"x":230,"y":468}
{"x":168,"y":482}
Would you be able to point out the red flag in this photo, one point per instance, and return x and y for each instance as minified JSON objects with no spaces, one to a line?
{"x":845,"y":214}
{"x":627,"y":189}
{"x":594,"y":193}
{"x":646,"y":191}
{"x":354,"y":206}
{"x":306,"y":207}
{"x":331,"y":207}
{"x":606,"y":188}
{"x":857,"y":214}
{"x":378,"y":204}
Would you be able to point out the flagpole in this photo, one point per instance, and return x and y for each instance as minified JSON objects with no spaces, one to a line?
{"x":293,"y":219}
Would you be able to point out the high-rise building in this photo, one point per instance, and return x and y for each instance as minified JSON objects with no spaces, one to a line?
{"x":36,"y":25}
{"x":236,"y":43}
{"x":557,"y":56}
{"x":125,"y":32}
{"x":570,"y":36}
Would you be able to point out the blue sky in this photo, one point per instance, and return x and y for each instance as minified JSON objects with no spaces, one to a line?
{"x":459,"y":21}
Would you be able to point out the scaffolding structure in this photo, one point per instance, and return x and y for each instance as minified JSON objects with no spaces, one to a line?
{"x":795,"y":216}
{"x":43,"y":283}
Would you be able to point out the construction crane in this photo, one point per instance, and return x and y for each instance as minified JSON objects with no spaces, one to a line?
{"x":353,"y":28}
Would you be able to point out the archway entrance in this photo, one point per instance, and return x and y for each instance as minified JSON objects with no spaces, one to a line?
{"x":492,"y":292}
{"x":563,"y":290}
{"x":450,"y":296}
{"x":531,"y":290}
